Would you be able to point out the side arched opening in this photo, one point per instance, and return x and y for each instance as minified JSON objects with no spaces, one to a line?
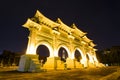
{"x":62,"y":53}
{"x":78,"y":55}
{"x":42,"y":52}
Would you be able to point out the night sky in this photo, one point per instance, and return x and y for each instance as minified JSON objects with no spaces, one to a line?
{"x":99,"y":18}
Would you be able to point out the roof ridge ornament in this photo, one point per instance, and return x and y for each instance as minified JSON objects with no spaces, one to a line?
{"x":73,"y":26}
{"x":59,"y":21}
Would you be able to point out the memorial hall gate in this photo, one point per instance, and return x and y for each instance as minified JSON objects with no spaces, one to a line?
{"x":57,"y":45}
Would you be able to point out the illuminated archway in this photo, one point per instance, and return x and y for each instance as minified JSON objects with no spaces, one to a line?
{"x":90,"y":58}
{"x":43,"y":52}
{"x":79,"y":51}
{"x":78,"y":55}
{"x":57,"y":37}
{"x":62,"y":53}
{"x":45,"y":43}
{"x":64,"y":48}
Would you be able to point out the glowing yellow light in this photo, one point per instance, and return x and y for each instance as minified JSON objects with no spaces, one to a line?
{"x":31,"y":49}
{"x":83,"y":60}
{"x":95,"y":59}
{"x":55,"y":53}
{"x":83,"y":42}
{"x":56,"y":32}
{"x":91,"y":59}
{"x":72,"y":37}
{"x":72,"y":56}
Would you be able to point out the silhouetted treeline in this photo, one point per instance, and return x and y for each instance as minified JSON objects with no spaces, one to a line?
{"x":110,"y":56}
{"x":8,"y":58}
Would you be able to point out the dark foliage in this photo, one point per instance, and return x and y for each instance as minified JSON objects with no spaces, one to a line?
{"x":8,"y":58}
{"x":109,"y":56}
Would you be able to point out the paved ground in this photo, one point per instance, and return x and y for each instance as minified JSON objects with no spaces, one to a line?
{"x":107,"y":73}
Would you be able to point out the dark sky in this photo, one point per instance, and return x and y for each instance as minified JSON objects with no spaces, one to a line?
{"x":99,"y":18}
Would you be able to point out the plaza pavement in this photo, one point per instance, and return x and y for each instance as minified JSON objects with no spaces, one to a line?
{"x":104,"y":73}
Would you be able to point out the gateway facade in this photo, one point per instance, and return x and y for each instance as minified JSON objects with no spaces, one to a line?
{"x":66,"y":46}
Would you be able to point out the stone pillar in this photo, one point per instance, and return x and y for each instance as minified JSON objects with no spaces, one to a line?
{"x":78,"y":64}
{"x":29,"y":63}
{"x":51,"y":63}
{"x":31,"y":42}
{"x":70,"y":63}
{"x":61,"y":64}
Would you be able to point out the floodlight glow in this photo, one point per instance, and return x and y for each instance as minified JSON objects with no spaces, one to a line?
{"x":83,"y":60}
{"x":90,"y":58}
{"x":31,"y":49}
{"x":95,"y":59}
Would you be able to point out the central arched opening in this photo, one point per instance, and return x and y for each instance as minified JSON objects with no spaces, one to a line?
{"x":77,"y":55}
{"x":62,"y":53}
{"x":43,"y":52}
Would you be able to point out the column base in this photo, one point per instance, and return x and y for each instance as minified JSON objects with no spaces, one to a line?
{"x":51,"y":63}
{"x":78,"y":64}
{"x":29,"y":63}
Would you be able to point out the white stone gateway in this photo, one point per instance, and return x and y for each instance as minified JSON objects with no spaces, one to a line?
{"x":56,"y":35}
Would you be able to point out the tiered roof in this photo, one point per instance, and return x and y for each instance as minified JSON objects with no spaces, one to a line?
{"x":72,"y":30}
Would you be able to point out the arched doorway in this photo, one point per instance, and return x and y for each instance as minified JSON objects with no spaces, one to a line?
{"x":43,"y":52}
{"x":78,"y":55}
{"x":62,"y":53}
